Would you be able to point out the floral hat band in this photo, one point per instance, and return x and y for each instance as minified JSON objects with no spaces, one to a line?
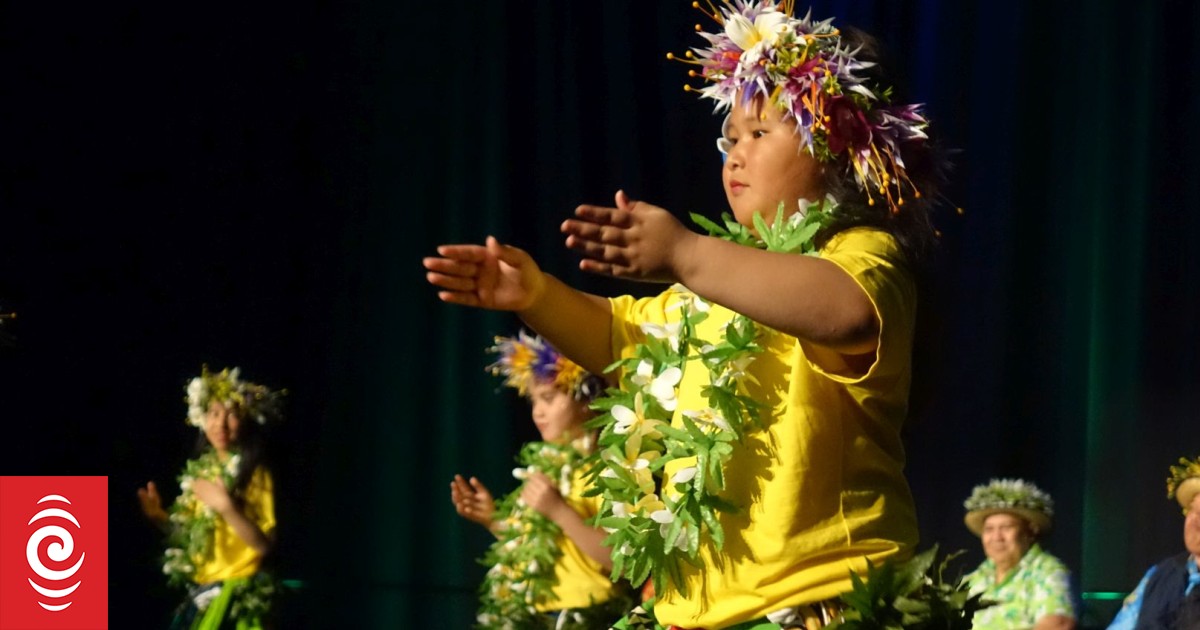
{"x":1009,"y":496}
{"x":802,"y":67}
{"x":226,"y":387}
{"x":528,"y":359}
{"x":1184,"y":482}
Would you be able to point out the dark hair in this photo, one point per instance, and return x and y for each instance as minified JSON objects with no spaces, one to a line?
{"x":925,"y":162}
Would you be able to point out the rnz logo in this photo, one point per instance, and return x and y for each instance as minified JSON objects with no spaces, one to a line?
{"x":54,"y":553}
{"x":56,"y":585}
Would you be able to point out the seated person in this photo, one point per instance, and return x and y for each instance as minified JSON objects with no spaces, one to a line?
{"x":1168,"y":597}
{"x":1030,"y":587}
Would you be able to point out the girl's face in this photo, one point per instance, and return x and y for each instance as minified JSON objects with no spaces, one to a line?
{"x":558,"y":416}
{"x":766,"y":165}
{"x":221,"y":426}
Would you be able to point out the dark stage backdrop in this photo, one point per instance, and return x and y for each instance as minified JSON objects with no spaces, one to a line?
{"x":255,"y":184}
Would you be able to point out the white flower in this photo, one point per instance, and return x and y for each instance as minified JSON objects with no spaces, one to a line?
{"x":735,"y":371}
{"x":644,"y":374}
{"x":205,"y":598}
{"x":684,"y":475}
{"x":765,"y":29}
{"x":564,"y":481}
{"x":663,"y":387}
{"x":691,"y":304}
{"x":708,"y":416}
{"x":196,"y":391}
{"x":625,"y":418}
{"x":669,"y":332}
{"x":662,"y":517}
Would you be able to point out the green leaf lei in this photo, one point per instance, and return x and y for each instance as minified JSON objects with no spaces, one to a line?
{"x":521,"y":561}
{"x":192,"y":522}
{"x":648,"y":533}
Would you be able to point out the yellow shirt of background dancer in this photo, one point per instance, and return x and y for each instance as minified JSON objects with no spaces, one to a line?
{"x":582,"y":582}
{"x":232,"y":557}
{"x":820,"y":483}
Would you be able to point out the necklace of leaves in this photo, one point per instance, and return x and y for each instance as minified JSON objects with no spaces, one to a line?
{"x":651,"y":534}
{"x":193,"y":522}
{"x":521,"y":561}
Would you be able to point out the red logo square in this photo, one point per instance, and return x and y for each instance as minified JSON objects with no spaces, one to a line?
{"x":53,"y":553}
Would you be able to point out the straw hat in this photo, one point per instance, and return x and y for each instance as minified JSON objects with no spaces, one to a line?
{"x":1009,"y":496}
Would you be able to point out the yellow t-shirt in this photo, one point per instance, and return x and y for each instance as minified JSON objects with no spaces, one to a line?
{"x":232,"y":557}
{"x":820,"y":484}
{"x":582,"y":582}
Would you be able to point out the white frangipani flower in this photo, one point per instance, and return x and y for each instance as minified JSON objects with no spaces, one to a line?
{"x":644,"y":374}
{"x":764,"y":30}
{"x":708,"y":416}
{"x":684,"y":475}
{"x":663,"y":387}
{"x":669,"y":332}
{"x":662,"y":517}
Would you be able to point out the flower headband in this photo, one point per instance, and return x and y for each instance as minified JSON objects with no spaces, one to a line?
{"x":1184,"y":482}
{"x":802,"y":67}
{"x":527,"y":359}
{"x":255,"y":400}
{"x":1009,"y":493}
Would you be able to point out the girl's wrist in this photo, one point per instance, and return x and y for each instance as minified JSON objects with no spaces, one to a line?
{"x":537,"y":293}
{"x":687,"y":255}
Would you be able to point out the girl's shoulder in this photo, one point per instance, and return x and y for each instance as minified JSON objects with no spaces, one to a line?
{"x":862,"y":238}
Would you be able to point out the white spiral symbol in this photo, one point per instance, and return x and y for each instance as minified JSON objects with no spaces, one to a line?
{"x":59,"y":551}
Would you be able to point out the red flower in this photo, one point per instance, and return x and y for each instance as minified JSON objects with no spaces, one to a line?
{"x":848,"y":127}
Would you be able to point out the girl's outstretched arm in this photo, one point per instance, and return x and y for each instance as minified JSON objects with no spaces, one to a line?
{"x":217,"y":497}
{"x":804,"y":296}
{"x":540,"y":494}
{"x":501,"y":277}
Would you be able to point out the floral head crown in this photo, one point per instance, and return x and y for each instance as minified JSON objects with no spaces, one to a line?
{"x":256,"y":401}
{"x":527,"y":359}
{"x":802,"y":67}
{"x":1184,"y":483}
{"x":1014,"y":496}
{"x":1007,"y":493}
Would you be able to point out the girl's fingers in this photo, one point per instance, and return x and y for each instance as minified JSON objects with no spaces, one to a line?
{"x":605,"y":269}
{"x":454,"y":297}
{"x":447,"y":266}
{"x":594,"y":232}
{"x":454,"y":283}
{"x":464,"y":253}
{"x":612,"y":254}
{"x":606,"y":216}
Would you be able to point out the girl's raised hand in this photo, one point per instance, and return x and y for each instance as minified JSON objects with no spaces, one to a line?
{"x":542,"y":495}
{"x":213,"y":494}
{"x":634,"y":240}
{"x":492,"y":276}
{"x":152,"y":503}
{"x":472,"y":500}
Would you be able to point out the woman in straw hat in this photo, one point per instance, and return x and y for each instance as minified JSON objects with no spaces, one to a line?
{"x":1030,"y":587}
